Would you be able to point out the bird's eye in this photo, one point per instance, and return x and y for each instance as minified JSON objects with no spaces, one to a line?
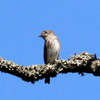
{"x":45,"y":32}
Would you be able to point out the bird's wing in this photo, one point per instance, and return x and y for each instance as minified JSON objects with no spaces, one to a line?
{"x":45,"y":53}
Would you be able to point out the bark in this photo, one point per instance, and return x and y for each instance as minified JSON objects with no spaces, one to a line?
{"x":81,"y":63}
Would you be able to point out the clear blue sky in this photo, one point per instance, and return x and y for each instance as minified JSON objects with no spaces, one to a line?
{"x":75,"y":22}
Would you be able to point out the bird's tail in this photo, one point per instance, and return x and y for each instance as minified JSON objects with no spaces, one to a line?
{"x":47,"y":80}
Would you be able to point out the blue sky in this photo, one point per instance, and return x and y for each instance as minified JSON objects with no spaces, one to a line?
{"x":77,"y":25}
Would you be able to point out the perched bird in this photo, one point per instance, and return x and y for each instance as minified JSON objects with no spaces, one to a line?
{"x":51,"y":48}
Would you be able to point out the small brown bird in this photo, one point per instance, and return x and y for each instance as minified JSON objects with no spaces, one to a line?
{"x":51,"y":48}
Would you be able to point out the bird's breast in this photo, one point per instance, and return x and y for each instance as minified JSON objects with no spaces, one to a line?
{"x":52,"y":50}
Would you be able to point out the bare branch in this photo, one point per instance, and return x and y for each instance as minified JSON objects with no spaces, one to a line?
{"x":82,"y":63}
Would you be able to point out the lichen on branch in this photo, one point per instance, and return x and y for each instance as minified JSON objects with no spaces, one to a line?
{"x":81,"y":63}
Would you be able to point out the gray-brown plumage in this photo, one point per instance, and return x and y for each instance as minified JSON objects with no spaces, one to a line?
{"x":51,"y":48}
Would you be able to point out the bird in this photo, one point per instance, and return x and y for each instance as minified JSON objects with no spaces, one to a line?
{"x":51,"y":48}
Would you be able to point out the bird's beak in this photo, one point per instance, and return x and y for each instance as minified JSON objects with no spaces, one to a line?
{"x":40,"y":36}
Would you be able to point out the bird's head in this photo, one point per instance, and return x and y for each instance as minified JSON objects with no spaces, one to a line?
{"x":46,"y":33}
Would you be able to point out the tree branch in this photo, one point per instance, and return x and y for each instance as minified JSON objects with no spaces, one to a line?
{"x":82,"y":63}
